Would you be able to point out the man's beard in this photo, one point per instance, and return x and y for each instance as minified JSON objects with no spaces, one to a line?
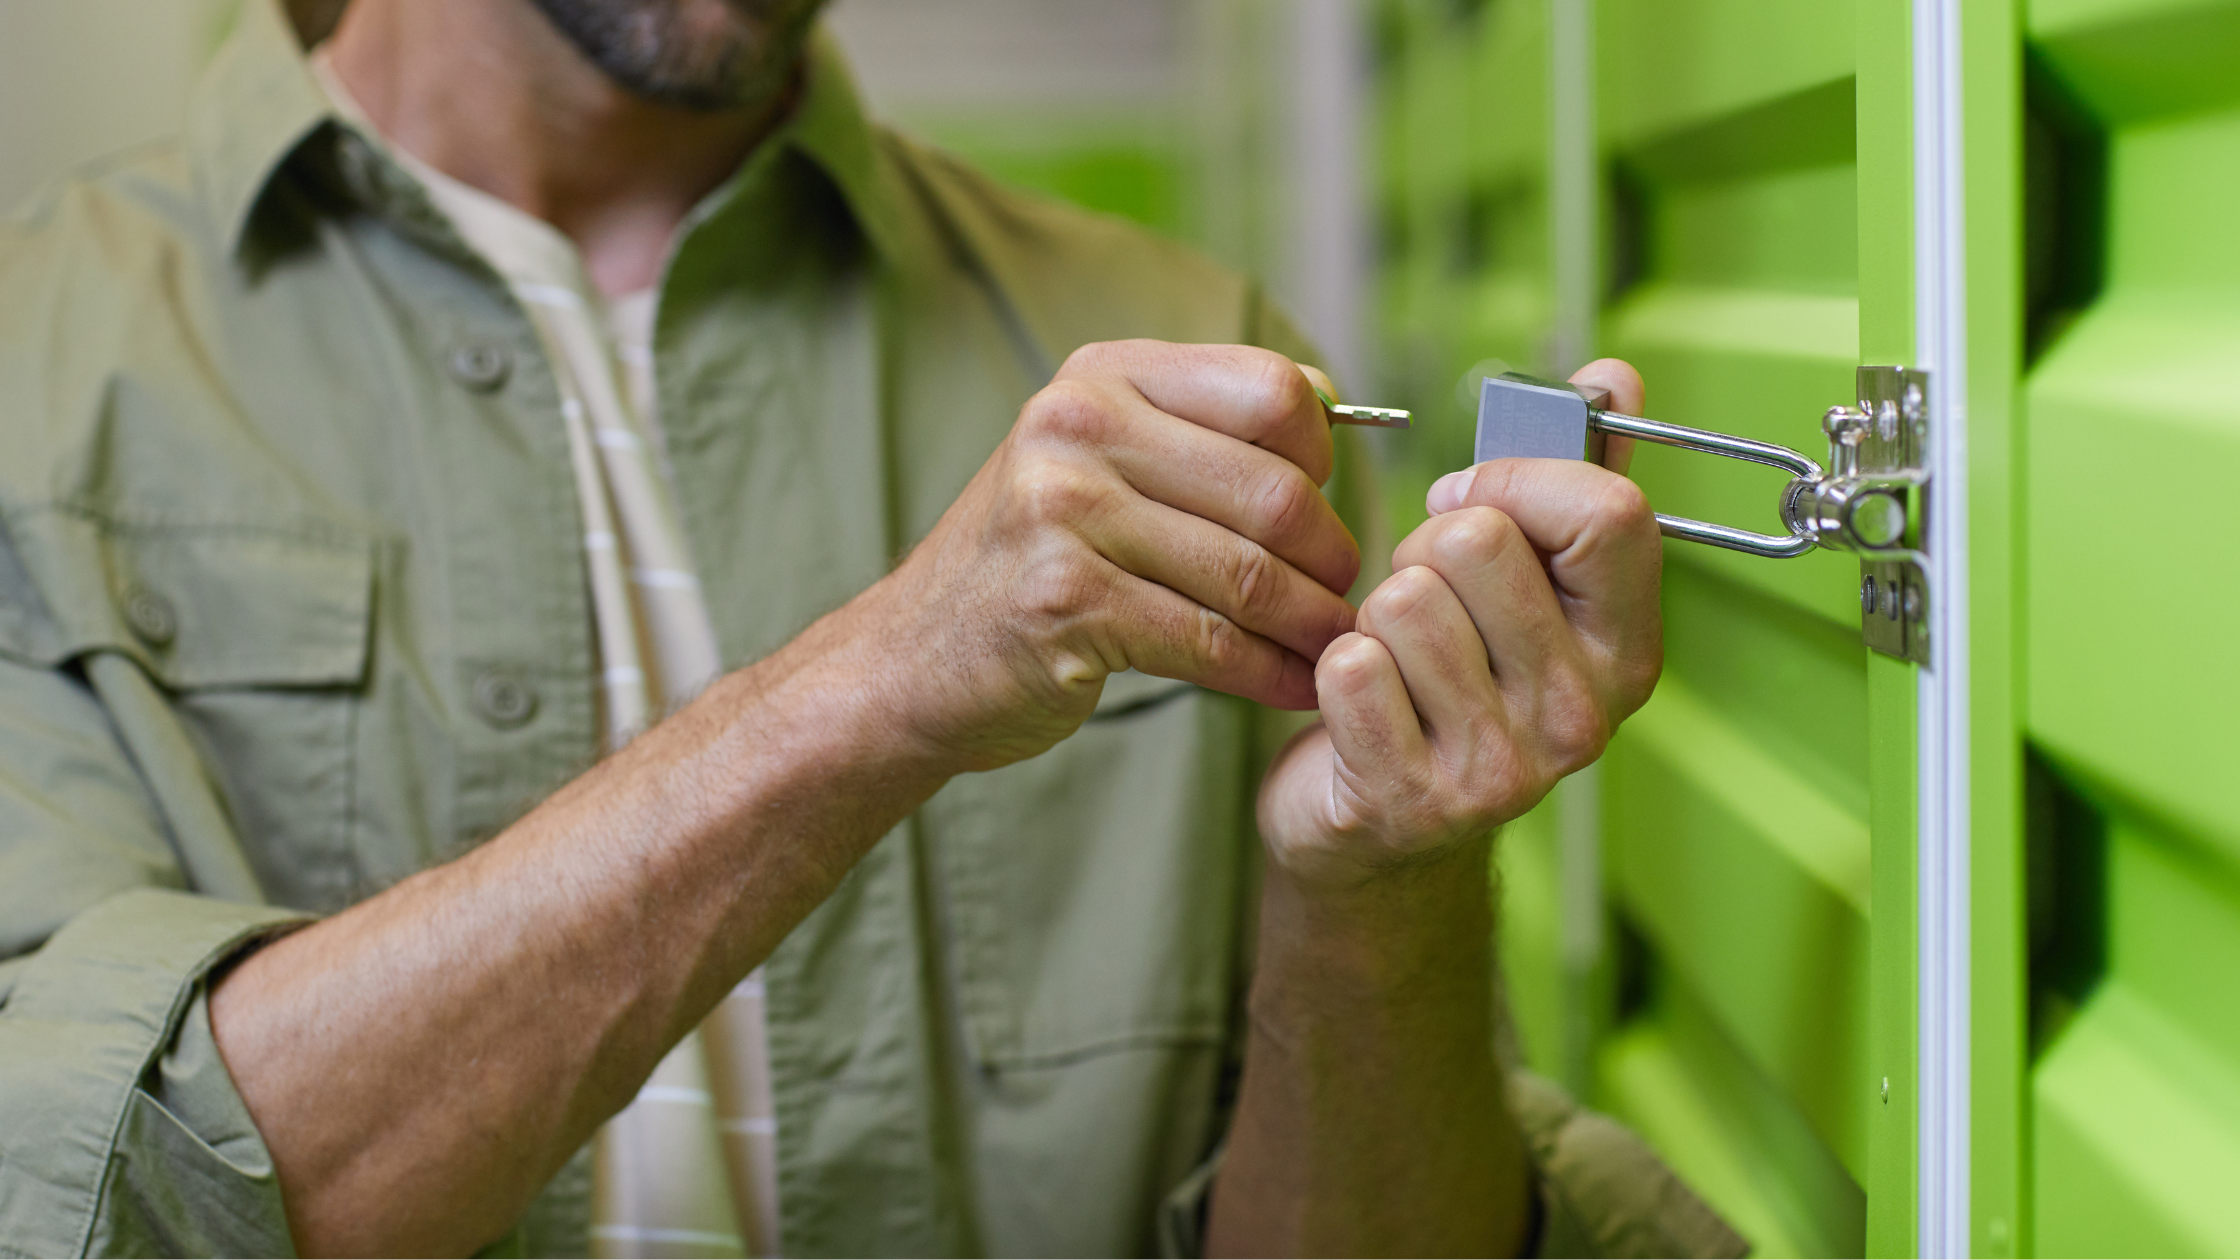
{"x":694,"y":54}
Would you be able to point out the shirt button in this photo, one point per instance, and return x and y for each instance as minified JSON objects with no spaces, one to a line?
{"x":150,"y":615}
{"x":503,"y":698}
{"x":479,"y":365}
{"x":355,"y":157}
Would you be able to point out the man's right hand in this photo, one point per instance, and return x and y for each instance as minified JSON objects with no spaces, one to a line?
{"x":1154,"y":508}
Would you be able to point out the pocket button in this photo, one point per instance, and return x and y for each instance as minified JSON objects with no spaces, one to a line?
{"x":480,"y":365}
{"x":503,"y":699}
{"x":150,"y":615}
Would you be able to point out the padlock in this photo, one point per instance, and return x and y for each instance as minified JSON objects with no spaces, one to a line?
{"x":1844,"y":510}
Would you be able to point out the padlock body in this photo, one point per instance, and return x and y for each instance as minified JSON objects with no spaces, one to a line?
{"x":1523,"y":416}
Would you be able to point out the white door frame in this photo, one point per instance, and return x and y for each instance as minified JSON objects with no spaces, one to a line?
{"x":1940,"y":346}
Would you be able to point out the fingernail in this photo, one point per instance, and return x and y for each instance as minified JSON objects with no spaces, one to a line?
{"x":1448,"y":492}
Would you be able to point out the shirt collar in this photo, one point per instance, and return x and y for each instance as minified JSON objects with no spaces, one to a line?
{"x":830,"y":128}
{"x":251,"y":109}
{"x":258,"y":103}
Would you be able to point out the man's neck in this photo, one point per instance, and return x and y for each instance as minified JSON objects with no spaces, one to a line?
{"x":486,"y":91}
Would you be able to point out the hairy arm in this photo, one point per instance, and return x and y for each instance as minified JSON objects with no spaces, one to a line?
{"x":449,"y":1043}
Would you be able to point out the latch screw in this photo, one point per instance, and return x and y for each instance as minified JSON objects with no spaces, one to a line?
{"x":1866,"y":595}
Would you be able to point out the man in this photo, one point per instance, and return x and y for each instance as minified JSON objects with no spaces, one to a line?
{"x":437,"y":413}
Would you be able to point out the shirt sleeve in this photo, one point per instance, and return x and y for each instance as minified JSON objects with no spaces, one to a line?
{"x":1601,"y":1190}
{"x":120,"y":1130}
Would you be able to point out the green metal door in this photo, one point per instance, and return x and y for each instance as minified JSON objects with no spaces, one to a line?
{"x":2130,"y":442}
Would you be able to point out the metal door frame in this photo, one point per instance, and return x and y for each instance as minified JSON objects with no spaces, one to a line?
{"x":1943,"y":794}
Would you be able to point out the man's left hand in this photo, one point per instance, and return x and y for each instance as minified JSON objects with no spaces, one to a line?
{"x":1520,"y":626}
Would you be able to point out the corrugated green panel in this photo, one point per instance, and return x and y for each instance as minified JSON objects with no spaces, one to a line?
{"x":1697,"y":1098}
{"x":2132,"y":437}
{"x":2134,"y":425}
{"x":1748,"y":658}
{"x":2138,"y":1140}
{"x":2138,"y":1143}
{"x":2133,"y":433}
{"x":1738,"y":800}
{"x":2140,"y":59}
{"x":1750,"y":882}
{"x":1669,"y":64}
{"x":2138,"y":1096}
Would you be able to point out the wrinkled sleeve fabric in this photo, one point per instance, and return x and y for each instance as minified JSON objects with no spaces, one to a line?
{"x":120,"y":1130}
{"x":1601,"y":1190}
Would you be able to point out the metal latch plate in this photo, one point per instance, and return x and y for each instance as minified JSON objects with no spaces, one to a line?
{"x":1894,"y":594}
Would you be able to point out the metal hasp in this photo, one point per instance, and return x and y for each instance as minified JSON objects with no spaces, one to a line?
{"x":1870,"y":499}
{"x":1878,"y":482}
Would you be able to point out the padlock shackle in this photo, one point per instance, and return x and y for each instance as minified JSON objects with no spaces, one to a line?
{"x":1796,"y":463}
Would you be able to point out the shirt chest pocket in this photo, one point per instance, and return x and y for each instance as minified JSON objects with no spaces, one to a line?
{"x":257,"y":640}
{"x":1093,"y":894}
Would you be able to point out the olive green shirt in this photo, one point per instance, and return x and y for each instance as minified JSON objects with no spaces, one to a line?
{"x":293,"y":605}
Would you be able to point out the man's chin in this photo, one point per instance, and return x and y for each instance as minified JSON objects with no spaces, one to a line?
{"x":702,"y":55}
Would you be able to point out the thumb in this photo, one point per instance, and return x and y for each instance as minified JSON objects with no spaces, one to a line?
{"x":1627,"y":397}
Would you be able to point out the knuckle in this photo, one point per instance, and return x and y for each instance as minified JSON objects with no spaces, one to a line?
{"x":1283,"y":508}
{"x":1068,"y":411}
{"x":1637,"y":674}
{"x":1507,"y":790}
{"x":1052,"y":496}
{"x":1622,"y":504}
{"x":1400,"y":595}
{"x":1574,"y":727}
{"x":1475,"y":537}
{"x":1349,"y":664}
{"x":1059,"y":587}
{"x":1093,"y":357}
{"x":1274,"y":390}
{"x":1219,"y":645}
{"x":1253,"y":578}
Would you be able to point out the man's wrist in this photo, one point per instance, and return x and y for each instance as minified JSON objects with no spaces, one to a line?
{"x":824,"y":714}
{"x":1399,"y":933}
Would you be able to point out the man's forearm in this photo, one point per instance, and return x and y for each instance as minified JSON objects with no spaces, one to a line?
{"x":1372,"y":1119}
{"x":421,"y":1064}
